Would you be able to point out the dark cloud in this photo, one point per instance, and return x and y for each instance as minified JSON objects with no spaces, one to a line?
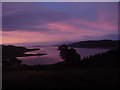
{"x":26,"y":16}
{"x":33,"y":16}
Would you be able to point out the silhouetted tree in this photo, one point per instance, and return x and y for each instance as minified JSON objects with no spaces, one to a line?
{"x":70,"y":56}
{"x":74,"y":56}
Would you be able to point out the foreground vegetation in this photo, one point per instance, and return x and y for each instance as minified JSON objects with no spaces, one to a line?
{"x":98,"y":71}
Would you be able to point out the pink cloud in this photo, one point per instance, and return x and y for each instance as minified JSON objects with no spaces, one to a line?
{"x":100,"y":26}
{"x":23,"y":36}
{"x":64,"y":30}
{"x":108,"y":26}
{"x":61,"y":27}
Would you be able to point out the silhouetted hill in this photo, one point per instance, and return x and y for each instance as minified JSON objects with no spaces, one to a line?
{"x":96,"y":44}
{"x":14,"y":51}
{"x":10,"y":52}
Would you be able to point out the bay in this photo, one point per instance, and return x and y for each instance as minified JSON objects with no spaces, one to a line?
{"x":53,"y":55}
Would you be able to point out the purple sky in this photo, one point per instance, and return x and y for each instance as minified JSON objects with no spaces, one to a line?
{"x":59,"y":22}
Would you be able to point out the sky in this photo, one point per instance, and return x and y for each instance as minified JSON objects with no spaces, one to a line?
{"x":57,"y":22}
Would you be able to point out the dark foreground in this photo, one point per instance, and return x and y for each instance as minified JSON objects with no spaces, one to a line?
{"x":98,"y":71}
{"x":68,"y":77}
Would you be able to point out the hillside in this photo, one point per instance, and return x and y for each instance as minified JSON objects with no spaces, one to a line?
{"x":11,"y":51}
{"x":96,"y":44}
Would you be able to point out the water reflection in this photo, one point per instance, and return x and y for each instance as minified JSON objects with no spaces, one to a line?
{"x":53,"y":55}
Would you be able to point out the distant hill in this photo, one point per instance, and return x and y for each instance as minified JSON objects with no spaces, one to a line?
{"x":96,"y":44}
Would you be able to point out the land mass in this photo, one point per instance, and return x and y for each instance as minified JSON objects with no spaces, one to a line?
{"x":98,"y":71}
{"x":96,"y":44}
{"x":11,"y":51}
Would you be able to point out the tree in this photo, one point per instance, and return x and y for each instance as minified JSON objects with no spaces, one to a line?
{"x":70,"y":56}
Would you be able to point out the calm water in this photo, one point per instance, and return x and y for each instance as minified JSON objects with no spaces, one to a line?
{"x":53,"y":55}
